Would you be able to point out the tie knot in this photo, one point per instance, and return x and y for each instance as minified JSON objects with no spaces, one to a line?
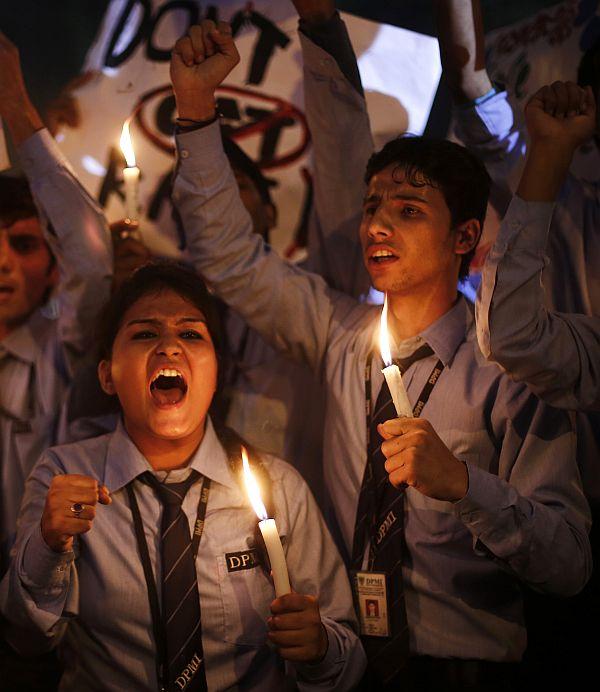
{"x":171,"y":494}
{"x":423,"y":351}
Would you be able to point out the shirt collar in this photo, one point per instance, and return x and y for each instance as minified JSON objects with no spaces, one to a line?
{"x":447,"y":333}
{"x":124,"y":461}
{"x":20,"y":344}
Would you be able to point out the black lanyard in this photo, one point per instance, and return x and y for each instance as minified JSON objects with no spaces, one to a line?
{"x":417,"y":410}
{"x":157,"y":624}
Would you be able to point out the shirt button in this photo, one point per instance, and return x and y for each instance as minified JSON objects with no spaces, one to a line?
{"x":184,"y":153}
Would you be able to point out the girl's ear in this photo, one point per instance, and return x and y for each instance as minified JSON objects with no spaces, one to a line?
{"x":105,"y":377}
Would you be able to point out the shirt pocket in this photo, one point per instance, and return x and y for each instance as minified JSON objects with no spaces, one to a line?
{"x":246,"y":596}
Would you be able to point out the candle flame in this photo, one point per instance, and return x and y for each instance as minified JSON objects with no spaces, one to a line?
{"x":252,"y":489}
{"x":127,"y":145}
{"x":384,"y":337}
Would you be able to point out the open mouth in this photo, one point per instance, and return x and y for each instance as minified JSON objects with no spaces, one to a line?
{"x":380,"y":257}
{"x":168,"y":387}
{"x":6,"y":292}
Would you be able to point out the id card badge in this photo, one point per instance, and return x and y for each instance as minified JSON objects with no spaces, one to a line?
{"x":370,"y":590}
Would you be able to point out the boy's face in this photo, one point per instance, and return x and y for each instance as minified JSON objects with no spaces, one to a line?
{"x":163,"y":368}
{"x":406,"y":234}
{"x":262,"y":214}
{"x":27,"y":272}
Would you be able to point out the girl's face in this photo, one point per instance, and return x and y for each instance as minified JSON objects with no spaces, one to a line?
{"x":163,"y":368}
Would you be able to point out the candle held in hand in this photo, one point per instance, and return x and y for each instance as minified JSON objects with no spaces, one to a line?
{"x":269,"y":532}
{"x":391,"y":372}
{"x":131,"y":175}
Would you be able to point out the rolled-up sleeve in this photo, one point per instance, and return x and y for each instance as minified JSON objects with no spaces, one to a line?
{"x":533,"y":516}
{"x":77,"y":233}
{"x":556,"y":354}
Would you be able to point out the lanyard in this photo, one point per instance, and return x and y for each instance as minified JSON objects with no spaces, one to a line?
{"x":417,"y":410}
{"x":157,"y":624}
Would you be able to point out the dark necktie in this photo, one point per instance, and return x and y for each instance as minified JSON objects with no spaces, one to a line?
{"x":180,"y":599}
{"x":380,"y":504}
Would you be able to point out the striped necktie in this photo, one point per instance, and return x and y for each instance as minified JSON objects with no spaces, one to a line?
{"x":180,"y":599}
{"x":380,"y":519}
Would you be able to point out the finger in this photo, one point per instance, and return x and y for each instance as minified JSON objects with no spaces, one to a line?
{"x":104,"y":497}
{"x":65,"y":497}
{"x":575,"y":99}
{"x":400,"y":443}
{"x":589,"y":106}
{"x":208,"y":26}
{"x":401,"y":477}
{"x":78,"y":526}
{"x":548,"y":99}
{"x":292,"y":602}
{"x":196,"y":34}
{"x":88,"y":512}
{"x":224,"y":28}
{"x":127,"y":225}
{"x":184,"y":49}
{"x":290,"y":638}
{"x":295,"y":653}
{"x":225,"y":44}
{"x":292,"y":621}
{"x":76,"y":480}
{"x":562,"y":99}
{"x":399,"y":426}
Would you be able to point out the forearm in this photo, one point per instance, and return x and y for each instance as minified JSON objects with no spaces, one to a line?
{"x":78,"y":235}
{"x":537,"y":542}
{"x":290,"y":308}
{"x":545,"y":171}
{"x":462,"y":48}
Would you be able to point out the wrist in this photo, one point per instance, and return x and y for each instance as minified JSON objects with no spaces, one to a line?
{"x":323,"y":646}
{"x":461,"y":485}
{"x":197,"y":107}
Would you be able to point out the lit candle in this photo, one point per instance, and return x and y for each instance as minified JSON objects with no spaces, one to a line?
{"x":391,"y":372}
{"x":269,"y":532}
{"x":131,"y":175}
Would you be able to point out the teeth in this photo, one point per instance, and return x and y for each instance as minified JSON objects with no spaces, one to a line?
{"x":382,"y":253}
{"x":167,"y":372}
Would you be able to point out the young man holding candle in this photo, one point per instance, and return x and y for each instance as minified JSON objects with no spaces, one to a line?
{"x":484,"y":489}
{"x":107,"y":525}
{"x":66,"y":258}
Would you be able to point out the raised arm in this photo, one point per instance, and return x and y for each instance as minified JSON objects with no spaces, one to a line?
{"x":483,"y":116}
{"x":289,"y":307}
{"x":556,"y":354}
{"x":337,"y":117}
{"x":75,"y":227}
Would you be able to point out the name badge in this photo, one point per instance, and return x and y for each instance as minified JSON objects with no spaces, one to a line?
{"x":370,"y":589}
{"x":245,"y":559}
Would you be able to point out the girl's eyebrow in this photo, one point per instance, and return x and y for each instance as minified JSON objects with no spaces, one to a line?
{"x":156,"y":322}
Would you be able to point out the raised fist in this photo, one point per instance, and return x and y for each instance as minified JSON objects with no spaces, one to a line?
{"x":562,"y":113}
{"x":200,"y":61}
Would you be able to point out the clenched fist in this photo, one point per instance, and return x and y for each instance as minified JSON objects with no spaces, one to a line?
{"x":296,"y":628}
{"x":200,"y":61}
{"x":70,"y":509}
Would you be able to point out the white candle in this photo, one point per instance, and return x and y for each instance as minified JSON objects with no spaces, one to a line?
{"x":279,"y":569}
{"x":269,"y":532}
{"x":131,"y":175}
{"x":391,"y":372}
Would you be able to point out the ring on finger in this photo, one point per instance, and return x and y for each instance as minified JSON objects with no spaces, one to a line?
{"x":77,"y":508}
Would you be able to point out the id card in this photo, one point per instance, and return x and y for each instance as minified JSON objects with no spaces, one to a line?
{"x":370,"y":589}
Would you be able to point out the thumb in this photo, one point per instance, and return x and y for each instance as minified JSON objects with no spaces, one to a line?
{"x":224,"y":42}
{"x":104,"y":497}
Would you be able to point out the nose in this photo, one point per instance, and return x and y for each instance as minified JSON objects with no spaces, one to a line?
{"x":6,"y":253}
{"x":379,"y":228}
{"x":169,"y":345}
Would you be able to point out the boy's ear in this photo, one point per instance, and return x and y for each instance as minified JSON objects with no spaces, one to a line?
{"x":105,"y":377}
{"x":467,"y":236}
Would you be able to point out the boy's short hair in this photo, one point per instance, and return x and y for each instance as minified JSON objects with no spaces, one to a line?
{"x":239,"y":160}
{"x":455,"y":171}
{"x":16,"y":200}
{"x":155,"y":277}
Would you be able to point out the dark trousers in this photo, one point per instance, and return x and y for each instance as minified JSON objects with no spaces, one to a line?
{"x":428,"y":674}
